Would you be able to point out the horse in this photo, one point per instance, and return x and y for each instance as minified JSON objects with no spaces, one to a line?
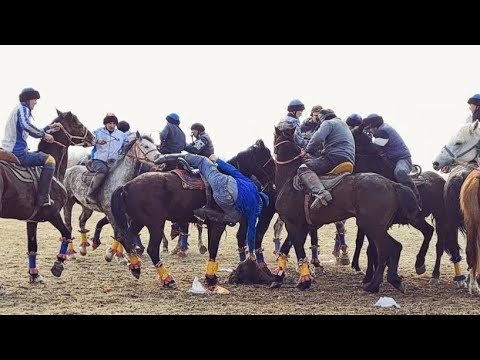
{"x":77,"y":183}
{"x":18,"y":190}
{"x":166,"y":199}
{"x":374,"y":200}
{"x":368,"y":158}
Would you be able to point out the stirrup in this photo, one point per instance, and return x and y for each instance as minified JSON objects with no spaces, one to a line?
{"x":47,"y":203}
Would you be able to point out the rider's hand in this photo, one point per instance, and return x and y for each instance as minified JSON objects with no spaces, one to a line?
{"x":101,"y":142}
{"x":48,"y":138}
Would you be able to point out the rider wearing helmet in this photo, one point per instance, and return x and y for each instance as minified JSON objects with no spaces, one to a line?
{"x":474,"y":106}
{"x":202,"y":145}
{"x":295,"y":109}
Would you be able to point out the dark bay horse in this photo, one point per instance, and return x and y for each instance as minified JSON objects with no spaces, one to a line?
{"x":368,"y":158}
{"x":18,"y":193}
{"x":152,"y":198}
{"x":374,"y":200}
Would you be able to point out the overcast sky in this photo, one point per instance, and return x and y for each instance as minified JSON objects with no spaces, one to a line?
{"x":240,"y":92}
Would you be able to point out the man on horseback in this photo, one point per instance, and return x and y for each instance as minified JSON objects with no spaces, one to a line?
{"x":395,"y":149}
{"x":354,"y":121}
{"x":295,"y":109}
{"x":172,"y":137}
{"x":311,"y":124}
{"x":331,"y":145}
{"x":202,"y":145}
{"x":474,"y":106}
{"x":17,"y":129}
{"x":108,"y":143}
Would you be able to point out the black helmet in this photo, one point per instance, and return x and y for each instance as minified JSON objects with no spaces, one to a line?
{"x":372,"y":120}
{"x":123,"y":126}
{"x":198,"y":126}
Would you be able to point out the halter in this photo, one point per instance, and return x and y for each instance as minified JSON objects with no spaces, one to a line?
{"x":143,"y":153}
{"x":300,"y":155}
{"x":455,"y":157}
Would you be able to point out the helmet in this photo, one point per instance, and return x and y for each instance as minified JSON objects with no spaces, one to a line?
{"x":316,"y":108}
{"x":198,"y":126}
{"x":110,"y":117}
{"x":174,"y":118}
{"x":123,"y":126}
{"x":295,"y":105}
{"x":475,"y":100}
{"x":354,"y":120}
{"x":373,"y":120}
{"x":28,"y":94}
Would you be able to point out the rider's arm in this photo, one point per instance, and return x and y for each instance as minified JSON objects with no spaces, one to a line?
{"x":24,"y":118}
{"x":197,"y":146}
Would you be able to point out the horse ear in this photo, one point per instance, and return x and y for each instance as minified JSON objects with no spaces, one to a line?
{"x":278,"y":132}
{"x":260,"y":144}
{"x":137,"y":134}
{"x":59,"y":113}
{"x":475,"y":125}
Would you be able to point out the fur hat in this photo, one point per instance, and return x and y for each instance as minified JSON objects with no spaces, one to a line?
{"x":28,"y":94}
{"x":110,"y":117}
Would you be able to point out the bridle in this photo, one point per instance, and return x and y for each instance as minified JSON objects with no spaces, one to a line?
{"x":299,"y":156}
{"x":139,"y":154}
{"x":455,"y":157}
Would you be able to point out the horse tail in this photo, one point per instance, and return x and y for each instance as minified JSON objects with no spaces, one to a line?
{"x":408,"y":209}
{"x":119,"y":210}
{"x":469,"y":204}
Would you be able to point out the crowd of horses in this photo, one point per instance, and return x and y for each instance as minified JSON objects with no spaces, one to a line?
{"x":370,"y":194}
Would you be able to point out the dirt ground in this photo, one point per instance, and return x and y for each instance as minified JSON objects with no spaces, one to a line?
{"x":90,"y":285}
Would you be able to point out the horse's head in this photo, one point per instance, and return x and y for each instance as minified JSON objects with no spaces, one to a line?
{"x":142,"y":149}
{"x":285,"y":148}
{"x":257,"y":161}
{"x":462,"y":147}
{"x":72,"y":131}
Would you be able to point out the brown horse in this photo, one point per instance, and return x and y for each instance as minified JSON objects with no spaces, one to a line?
{"x":470,"y":205}
{"x":18,"y":192}
{"x":153,"y":198}
{"x":374,"y":200}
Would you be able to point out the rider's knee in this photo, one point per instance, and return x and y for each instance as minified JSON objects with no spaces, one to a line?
{"x":50,"y":161}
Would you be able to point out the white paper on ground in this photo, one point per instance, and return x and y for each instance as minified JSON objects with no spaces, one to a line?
{"x":386,"y":302}
{"x":226,"y":270}
{"x":197,"y":287}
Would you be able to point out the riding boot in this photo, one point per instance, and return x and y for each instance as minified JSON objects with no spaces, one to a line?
{"x":168,"y":157}
{"x":44,"y":184}
{"x":218,"y":216}
{"x":313,"y":183}
{"x":97,"y":181}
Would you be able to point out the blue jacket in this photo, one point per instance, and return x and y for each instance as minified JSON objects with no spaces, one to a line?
{"x":17,"y":129}
{"x":395,"y":148}
{"x":172,"y":139}
{"x":290,"y":122}
{"x":111,"y":150}
{"x":248,"y":201}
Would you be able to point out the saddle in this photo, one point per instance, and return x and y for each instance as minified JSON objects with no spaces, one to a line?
{"x":24,"y":174}
{"x":190,"y":180}
{"x":331,"y":180}
{"x":8,"y":157}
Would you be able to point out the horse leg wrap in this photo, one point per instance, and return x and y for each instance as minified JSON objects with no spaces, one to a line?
{"x":342,"y":241}
{"x":70,"y":249}
{"x":241,"y":253}
{"x":304,"y":271}
{"x":114,"y":247}
{"x":212,"y":268}
{"x":281,"y":265}
{"x":260,"y":258}
{"x":83,"y":239}
{"x":120,"y":250}
{"x":458,"y":270}
{"x":165,"y":278}
{"x":32,"y":263}
{"x":277,"y":244}
{"x":62,"y":255}
{"x":133,"y":262}
{"x":183,"y":242}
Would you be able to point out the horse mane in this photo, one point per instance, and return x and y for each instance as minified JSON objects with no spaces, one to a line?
{"x":127,"y":148}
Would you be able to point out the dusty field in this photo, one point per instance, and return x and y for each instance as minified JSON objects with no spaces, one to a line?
{"x":89,"y":285}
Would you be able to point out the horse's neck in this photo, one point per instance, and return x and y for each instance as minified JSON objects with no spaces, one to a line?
{"x":284,"y":173}
{"x":124,"y":170}
{"x":59,"y":153}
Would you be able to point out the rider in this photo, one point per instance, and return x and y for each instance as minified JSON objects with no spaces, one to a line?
{"x":172,"y":137}
{"x":353,"y":121}
{"x":17,"y":129}
{"x":474,"y":106}
{"x":393,"y":146}
{"x":124,"y":127}
{"x":331,"y":145}
{"x":202,"y":145}
{"x":311,"y":124}
{"x":295,"y":109}
{"x":107,"y":145}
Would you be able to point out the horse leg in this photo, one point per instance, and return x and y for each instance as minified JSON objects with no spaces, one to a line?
{"x":153,"y":250}
{"x":35,"y":277}
{"x":242,"y":239}
{"x":215,"y":231}
{"x":382,"y":243}
{"x":372,"y":262}
{"x":277,"y":231}
{"x":281,"y":270}
{"x":67,"y":212}
{"x":135,"y":229}
{"x":57,"y":221}
{"x":452,"y":248}
{"x":314,"y":247}
{"x":84,"y":216}
{"x":98,"y":230}
{"x":298,"y":236}
{"x":427,"y":230}
{"x":201,"y":247}
{"x":264,"y":220}
{"x":183,"y":239}
{"x":344,"y":258}
{"x":393,"y":260}
{"x":358,"y":248}
{"x":119,"y":249}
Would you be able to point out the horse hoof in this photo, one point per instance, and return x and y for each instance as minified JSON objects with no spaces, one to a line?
{"x":202,"y":249}
{"x":108,"y":255}
{"x":182,"y":253}
{"x":304,"y":285}
{"x":371,"y":288}
{"x":170,"y":285}
{"x":275,"y":285}
{"x":358,"y":272}
{"x":211,"y":280}
{"x":121,"y":260}
{"x":3,"y":290}
{"x":83,"y":250}
{"x":420,"y":270}
{"x":136,"y":273}
{"x":401,"y":287}
{"x":36,"y":278}
{"x":71,"y":257}
{"x":434,"y":282}
{"x":57,"y":268}
{"x":95,"y":243}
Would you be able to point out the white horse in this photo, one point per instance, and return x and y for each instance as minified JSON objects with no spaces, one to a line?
{"x":77,"y":181}
{"x":463,"y":147}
